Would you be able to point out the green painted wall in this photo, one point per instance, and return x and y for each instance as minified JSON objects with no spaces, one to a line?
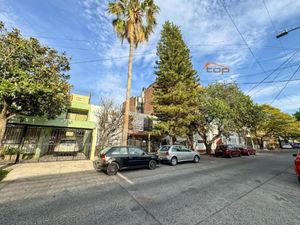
{"x":78,"y":103}
{"x":58,"y":122}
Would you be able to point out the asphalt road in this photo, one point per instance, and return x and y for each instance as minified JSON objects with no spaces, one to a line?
{"x":261,"y":189}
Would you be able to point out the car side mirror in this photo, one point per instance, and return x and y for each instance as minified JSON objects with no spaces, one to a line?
{"x":295,"y":155}
{"x":143,"y":153}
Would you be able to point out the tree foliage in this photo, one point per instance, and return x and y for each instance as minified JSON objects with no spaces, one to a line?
{"x":135,"y":21}
{"x":222,"y":109}
{"x":297,"y":115}
{"x":33,"y":79}
{"x":275,"y":123}
{"x":176,"y":84}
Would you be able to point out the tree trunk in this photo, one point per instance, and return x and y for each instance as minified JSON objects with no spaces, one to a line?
{"x":190,"y":140}
{"x":261,"y":143}
{"x":126,"y":113}
{"x":3,"y":122}
{"x":208,"y":147}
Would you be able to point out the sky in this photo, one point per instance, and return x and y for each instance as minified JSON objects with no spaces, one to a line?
{"x":238,"y":34}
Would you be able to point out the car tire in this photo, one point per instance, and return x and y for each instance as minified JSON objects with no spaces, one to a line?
{"x":173,"y":161}
{"x":299,"y":179}
{"x":196,"y":159}
{"x":152,"y":164}
{"x":248,"y":154}
{"x":112,"y":169}
{"x":230,"y":155}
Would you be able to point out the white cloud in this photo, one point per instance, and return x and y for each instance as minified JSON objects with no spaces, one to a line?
{"x":112,"y":85}
{"x":289,"y":103}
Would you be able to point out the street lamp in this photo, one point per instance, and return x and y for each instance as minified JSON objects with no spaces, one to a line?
{"x":285,"y":32}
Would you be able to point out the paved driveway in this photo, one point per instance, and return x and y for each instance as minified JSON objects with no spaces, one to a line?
{"x":259,"y":189}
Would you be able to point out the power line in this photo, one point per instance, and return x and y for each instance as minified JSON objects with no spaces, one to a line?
{"x":276,"y":32}
{"x":286,"y":84}
{"x":244,"y":40}
{"x":273,"y":71}
{"x":154,"y":53}
{"x":223,"y":3}
{"x":252,"y":74}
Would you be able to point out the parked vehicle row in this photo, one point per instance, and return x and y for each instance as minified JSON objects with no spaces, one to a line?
{"x":113,"y":159}
{"x":233,"y":150}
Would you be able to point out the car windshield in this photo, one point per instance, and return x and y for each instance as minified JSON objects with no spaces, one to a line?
{"x":164,"y":148}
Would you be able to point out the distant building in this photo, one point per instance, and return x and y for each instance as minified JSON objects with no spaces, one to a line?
{"x":141,"y":121}
{"x":144,"y":102}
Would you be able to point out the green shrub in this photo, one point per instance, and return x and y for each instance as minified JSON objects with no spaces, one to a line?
{"x":12,"y":151}
{"x":3,"y":174}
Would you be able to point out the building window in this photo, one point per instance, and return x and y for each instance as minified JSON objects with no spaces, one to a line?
{"x":13,"y":134}
{"x":77,"y":115}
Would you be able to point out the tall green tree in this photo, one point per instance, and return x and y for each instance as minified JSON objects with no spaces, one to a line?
{"x":275,"y":123}
{"x":135,"y":21}
{"x":297,"y":115}
{"x":175,"y":90}
{"x":33,"y":79}
{"x":215,"y":117}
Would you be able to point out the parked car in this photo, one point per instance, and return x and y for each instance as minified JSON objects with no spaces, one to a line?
{"x":113,"y":159}
{"x":227,"y":150}
{"x":297,"y":164}
{"x":247,"y":150}
{"x":286,"y":146}
{"x":173,"y":154}
{"x":295,"y":145}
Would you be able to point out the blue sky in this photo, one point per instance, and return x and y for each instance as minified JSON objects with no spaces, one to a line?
{"x":99,"y":62}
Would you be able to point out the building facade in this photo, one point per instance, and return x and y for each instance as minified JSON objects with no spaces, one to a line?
{"x":71,"y":136}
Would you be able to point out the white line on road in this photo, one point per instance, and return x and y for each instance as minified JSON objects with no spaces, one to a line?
{"x":125,"y":178}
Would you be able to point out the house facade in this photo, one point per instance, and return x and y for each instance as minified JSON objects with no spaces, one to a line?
{"x":71,"y":136}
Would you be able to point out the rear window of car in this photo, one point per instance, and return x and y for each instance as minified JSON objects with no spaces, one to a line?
{"x":222,"y":147}
{"x":119,"y":151}
{"x":164,"y":148}
{"x":104,"y":151}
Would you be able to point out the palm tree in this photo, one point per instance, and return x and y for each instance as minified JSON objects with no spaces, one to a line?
{"x":135,"y":21}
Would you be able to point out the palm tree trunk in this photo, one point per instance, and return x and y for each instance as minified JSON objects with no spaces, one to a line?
{"x":126,"y":113}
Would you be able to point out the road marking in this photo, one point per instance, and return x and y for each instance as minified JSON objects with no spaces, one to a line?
{"x":125,"y":178}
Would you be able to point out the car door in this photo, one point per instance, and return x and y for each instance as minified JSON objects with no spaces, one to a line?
{"x":137,"y":157}
{"x":236,"y":150}
{"x":176,"y":151}
{"x":187,"y":154}
{"x":120,"y":155}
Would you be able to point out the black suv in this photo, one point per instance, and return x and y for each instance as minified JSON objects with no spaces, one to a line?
{"x":115,"y":158}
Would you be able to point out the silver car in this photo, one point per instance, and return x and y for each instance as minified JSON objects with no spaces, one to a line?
{"x":177,"y":153}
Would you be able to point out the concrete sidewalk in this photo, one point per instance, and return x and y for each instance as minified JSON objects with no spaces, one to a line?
{"x":26,"y":170}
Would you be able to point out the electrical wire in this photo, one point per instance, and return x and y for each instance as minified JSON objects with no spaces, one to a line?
{"x":286,"y":84}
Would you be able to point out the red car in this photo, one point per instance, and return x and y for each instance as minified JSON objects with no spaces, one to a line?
{"x":227,"y":150}
{"x":297,"y":164}
{"x":247,"y":150}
